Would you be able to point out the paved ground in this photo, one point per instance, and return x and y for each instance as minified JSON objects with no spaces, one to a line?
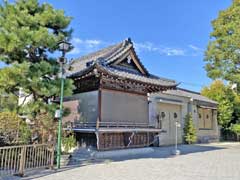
{"x":198,"y":162}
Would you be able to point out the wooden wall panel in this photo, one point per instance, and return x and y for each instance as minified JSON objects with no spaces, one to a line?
{"x":109,"y":141}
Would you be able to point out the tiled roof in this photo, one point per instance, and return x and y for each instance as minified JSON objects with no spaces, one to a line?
{"x":108,"y":55}
{"x":191,"y":94}
{"x":127,"y":75}
{"x":103,"y":58}
{"x":150,"y":79}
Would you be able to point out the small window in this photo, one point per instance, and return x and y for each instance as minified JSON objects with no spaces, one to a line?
{"x":207,"y":116}
{"x":175,"y":115}
{"x":163,"y":114}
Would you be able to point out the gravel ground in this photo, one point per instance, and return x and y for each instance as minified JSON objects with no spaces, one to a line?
{"x":219,"y":161}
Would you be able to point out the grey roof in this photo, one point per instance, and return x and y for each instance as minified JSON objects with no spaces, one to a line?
{"x":150,"y":79}
{"x":108,"y":55}
{"x":190,"y":94}
{"x":102,"y":60}
{"x":127,"y":75}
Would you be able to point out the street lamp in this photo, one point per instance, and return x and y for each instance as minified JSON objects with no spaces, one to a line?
{"x":64,"y":47}
{"x":176,"y":151}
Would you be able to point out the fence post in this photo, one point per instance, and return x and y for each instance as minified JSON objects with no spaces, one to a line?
{"x":22,"y":161}
{"x":52,"y":158}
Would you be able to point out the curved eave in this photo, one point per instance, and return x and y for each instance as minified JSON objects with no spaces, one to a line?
{"x":157,"y":86}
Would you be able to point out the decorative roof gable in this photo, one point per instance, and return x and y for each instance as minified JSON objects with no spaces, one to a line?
{"x":120,"y":62}
{"x":112,"y":55}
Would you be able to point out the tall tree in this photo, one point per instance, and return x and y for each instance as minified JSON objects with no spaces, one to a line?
{"x":223,"y":52}
{"x":29,"y":34}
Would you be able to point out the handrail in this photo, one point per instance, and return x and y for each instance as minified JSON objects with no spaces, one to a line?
{"x":18,"y":159}
{"x":111,"y":124}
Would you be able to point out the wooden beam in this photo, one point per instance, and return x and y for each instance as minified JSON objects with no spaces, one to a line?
{"x":100,"y":105}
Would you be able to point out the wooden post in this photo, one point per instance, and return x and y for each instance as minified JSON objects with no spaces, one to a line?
{"x":22,"y":161}
{"x":52,"y":158}
{"x":98,"y":123}
{"x":100,"y":105}
{"x":97,"y":137}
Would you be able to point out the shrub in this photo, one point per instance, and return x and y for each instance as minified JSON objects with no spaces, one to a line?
{"x":189,"y":130}
{"x":13,"y":130}
{"x":68,"y":142}
{"x":9,"y":127}
{"x":235,"y":128}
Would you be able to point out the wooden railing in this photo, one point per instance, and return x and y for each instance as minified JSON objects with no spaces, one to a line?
{"x":18,"y":159}
{"x":110,"y":124}
{"x":124,"y":124}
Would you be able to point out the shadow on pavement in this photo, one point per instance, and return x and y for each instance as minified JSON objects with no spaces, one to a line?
{"x":159,"y":152}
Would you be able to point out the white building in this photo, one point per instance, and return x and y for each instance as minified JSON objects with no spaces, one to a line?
{"x":170,"y":106}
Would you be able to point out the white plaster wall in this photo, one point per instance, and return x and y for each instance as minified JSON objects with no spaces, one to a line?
{"x":168,"y":138}
{"x":187,"y":106}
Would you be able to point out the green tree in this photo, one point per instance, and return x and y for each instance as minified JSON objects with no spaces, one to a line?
{"x":223,"y":51}
{"x":189,"y":130}
{"x":235,"y":128}
{"x":29,"y":35}
{"x":9,"y":127}
{"x":228,"y":102}
{"x":225,"y":112}
{"x":25,"y":133}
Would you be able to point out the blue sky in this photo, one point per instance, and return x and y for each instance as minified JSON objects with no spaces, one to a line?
{"x":170,"y":36}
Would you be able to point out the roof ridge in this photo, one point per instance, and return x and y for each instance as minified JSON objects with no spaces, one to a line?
{"x":160,"y":77}
{"x":96,"y":52}
{"x":190,"y":91}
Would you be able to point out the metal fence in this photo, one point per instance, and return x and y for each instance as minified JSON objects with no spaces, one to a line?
{"x":18,"y":159}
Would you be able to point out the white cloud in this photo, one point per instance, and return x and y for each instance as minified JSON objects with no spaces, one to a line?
{"x":168,"y":51}
{"x":195,"y":47}
{"x":77,"y":40}
{"x":85,"y":45}
{"x":196,"y":50}
{"x":93,"y":42}
{"x":173,"y":51}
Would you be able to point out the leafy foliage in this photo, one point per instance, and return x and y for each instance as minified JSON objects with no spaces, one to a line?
{"x":30,"y":30}
{"x":29,"y":35}
{"x":228,"y":102}
{"x":225,"y":110}
{"x":68,"y":142}
{"x":25,"y":133}
{"x":235,"y":128}
{"x":45,"y":128}
{"x":223,"y":52}
{"x":13,"y":129}
{"x":8,"y":102}
{"x":189,"y":130}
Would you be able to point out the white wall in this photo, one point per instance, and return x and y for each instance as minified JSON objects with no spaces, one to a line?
{"x":83,"y":107}
{"x":187,"y":106}
{"x":162,"y":100}
{"x":124,"y":107}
